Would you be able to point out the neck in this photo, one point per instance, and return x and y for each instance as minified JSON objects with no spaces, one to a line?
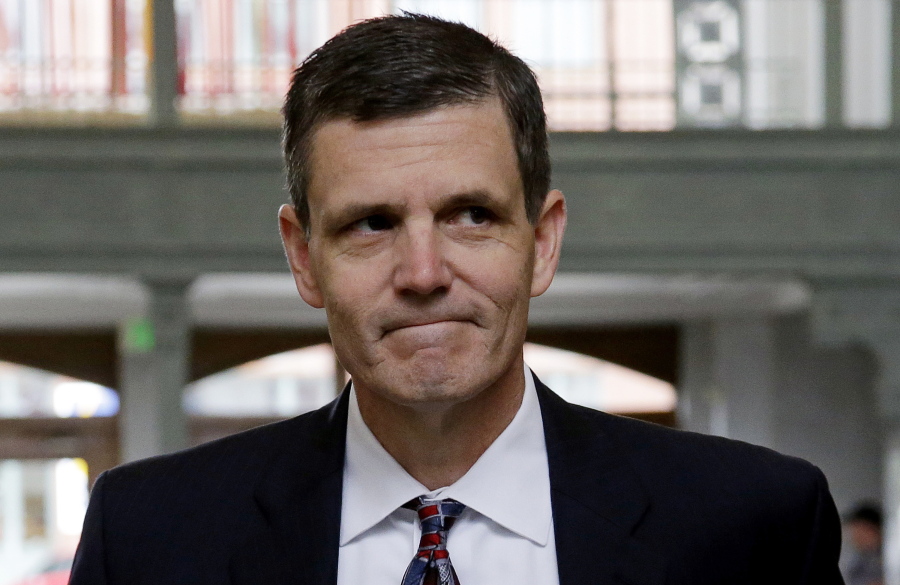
{"x":438,"y":443}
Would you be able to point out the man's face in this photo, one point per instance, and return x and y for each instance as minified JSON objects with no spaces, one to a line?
{"x":421,"y":253}
{"x":865,"y":535}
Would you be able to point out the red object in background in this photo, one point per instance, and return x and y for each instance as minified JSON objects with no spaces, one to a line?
{"x":56,"y":573}
{"x":52,"y":578}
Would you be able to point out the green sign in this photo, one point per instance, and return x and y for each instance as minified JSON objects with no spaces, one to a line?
{"x":139,"y":336}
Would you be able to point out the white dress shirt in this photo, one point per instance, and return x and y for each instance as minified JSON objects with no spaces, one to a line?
{"x":505,"y":534}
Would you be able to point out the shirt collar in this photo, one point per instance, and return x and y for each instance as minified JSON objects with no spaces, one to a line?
{"x":510,"y":482}
{"x":374,"y":483}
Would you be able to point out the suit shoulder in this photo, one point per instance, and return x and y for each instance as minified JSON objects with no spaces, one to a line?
{"x":690,"y":457}
{"x":242,"y":455}
{"x":204,"y":500}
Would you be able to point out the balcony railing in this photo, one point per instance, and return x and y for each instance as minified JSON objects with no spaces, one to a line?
{"x":73,"y":56}
{"x":602,"y":64}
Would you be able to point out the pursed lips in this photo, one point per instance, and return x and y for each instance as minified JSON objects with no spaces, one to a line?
{"x":422,"y":323}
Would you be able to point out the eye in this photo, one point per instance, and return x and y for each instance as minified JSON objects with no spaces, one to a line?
{"x":372,"y":223}
{"x":475,"y":215}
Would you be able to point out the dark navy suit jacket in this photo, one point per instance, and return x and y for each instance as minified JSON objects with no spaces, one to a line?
{"x":633,"y":503}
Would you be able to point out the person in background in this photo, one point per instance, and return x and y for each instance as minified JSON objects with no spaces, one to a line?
{"x":863,"y":525}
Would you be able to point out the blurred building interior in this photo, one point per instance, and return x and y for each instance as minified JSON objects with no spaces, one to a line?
{"x":731,"y":265}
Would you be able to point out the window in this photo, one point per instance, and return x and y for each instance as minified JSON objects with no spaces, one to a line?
{"x":42,"y":507}
{"x":30,"y":393}
{"x":237,"y":55}
{"x":602,"y":64}
{"x":74,"y":56}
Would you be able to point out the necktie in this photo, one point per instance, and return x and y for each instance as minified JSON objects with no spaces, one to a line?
{"x":431,"y":565}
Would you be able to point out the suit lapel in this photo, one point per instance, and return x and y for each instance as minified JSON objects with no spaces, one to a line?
{"x":296,"y":533}
{"x":598,"y":501}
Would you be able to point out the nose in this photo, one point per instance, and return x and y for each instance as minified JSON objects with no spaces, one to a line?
{"x":421,"y":266}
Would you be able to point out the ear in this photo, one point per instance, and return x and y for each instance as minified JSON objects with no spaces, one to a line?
{"x":548,"y":235}
{"x":296,"y":247}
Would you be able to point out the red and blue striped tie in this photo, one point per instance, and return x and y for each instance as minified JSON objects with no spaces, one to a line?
{"x":431,"y":565}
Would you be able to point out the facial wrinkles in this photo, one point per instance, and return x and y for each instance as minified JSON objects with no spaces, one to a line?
{"x":463,"y":304}
{"x":430,"y":145}
{"x":412,"y":184}
{"x":430,"y":142}
{"x":427,"y":135}
{"x":460,"y":302}
{"x":408,"y":315}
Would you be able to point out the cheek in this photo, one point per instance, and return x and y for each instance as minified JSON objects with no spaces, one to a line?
{"x":348,"y":337}
{"x":345,"y":299}
{"x":507,"y":284}
{"x":343,"y":283}
{"x":354,"y":294}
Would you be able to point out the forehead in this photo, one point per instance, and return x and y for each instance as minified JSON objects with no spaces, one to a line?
{"x":460,"y":143}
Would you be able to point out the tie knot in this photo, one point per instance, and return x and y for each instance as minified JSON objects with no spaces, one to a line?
{"x":437,"y":516}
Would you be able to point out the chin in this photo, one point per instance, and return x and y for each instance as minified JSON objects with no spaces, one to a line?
{"x":452,"y":386}
{"x":437,"y":388}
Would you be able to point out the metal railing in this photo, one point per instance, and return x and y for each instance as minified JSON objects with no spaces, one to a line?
{"x":602,"y":64}
{"x":73,"y":56}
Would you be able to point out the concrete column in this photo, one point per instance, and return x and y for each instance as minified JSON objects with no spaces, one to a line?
{"x":834,"y":63}
{"x":154,"y":354}
{"x":871,"y":315}
{"x":164,"y":65}
{"x":728,"y":379}
{"x":699,"y":399}
{"x":887,"y":348}
{"x":895,"y":64}
{"x":826,"y":410}
{"x":891,"y":503}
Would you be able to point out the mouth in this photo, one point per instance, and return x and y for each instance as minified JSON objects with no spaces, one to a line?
{"x":423,"y":325}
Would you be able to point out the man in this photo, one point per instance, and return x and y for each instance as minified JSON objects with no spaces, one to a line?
{"x":864,"y":565}
{"x":422,"y":222}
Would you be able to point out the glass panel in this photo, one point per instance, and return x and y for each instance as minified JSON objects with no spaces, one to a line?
{"x":643,"y":55}
{"x":602,"y":63}
{"x":867,"y":69}
{"x":470,"y":12}
{"x":594,"y":383}
{"x":72,"y":56}
{"x":783,"y":63}
{"x":237,"y":55}
{"x":281,"y":385}
{"x":42,"y":507}
{"x":27,"y":392}
{"x":565,"y":42}
{"x":561,"y":33}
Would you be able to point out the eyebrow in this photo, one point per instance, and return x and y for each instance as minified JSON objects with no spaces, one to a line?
{"x":479,"y":198}
{"x":356,"y":211}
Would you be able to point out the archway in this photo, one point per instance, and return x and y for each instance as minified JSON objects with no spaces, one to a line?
{"x":57,"y":434}
{"x":290,"y":383}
